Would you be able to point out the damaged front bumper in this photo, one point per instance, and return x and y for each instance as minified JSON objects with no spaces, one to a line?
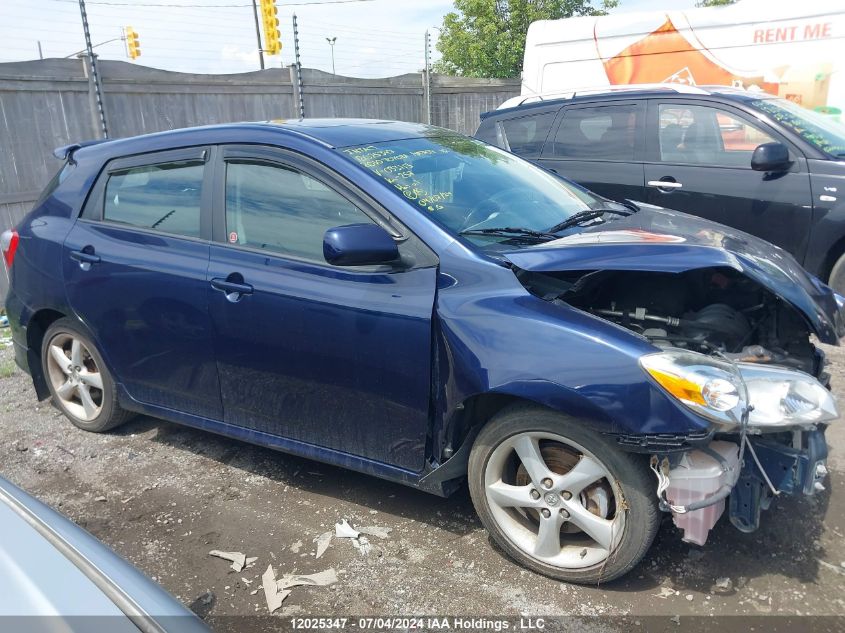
{"x":744,"y":475}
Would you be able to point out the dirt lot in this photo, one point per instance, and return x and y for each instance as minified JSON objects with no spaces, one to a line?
{"x":163,"y":496}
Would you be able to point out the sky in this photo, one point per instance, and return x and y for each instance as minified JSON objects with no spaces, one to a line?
{"x":375,"y":38}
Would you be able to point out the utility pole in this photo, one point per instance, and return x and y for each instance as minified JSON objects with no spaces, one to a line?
{"x":298,"y":86}
{"x":95,"y":75}
{"x":331,"y":41}
{"x":40,"y":54}
{"x":427,"y":79}
{"x":258,"y":34}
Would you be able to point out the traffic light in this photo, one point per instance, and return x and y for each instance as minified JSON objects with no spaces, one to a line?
{"x":133,"y":47}
{"x":272,"y":43}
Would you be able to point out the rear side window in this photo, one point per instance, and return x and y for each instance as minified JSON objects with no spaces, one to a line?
{"x":603,"y":132}
{"x":525,"y":136}
{"x":163,"y":197}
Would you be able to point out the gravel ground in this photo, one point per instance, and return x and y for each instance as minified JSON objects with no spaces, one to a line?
{"x":164,"y":495}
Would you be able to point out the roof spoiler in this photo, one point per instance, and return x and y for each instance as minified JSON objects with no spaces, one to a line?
{"x":65,"y":152}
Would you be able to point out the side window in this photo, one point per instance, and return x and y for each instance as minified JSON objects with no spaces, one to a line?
{"x":163,"y":197}
{"x":526,"y":135}
{"x":283,"y":210}
{"x":706,"y":136}
{"x":603,"y":132}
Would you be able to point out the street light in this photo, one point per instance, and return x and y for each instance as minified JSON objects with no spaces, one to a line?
{"x":331,"y":41}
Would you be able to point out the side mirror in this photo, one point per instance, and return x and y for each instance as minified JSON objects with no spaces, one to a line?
{"x":771,"y":157}
{"x":359,"y":245}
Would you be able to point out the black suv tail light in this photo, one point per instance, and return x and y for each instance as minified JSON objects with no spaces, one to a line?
{"x":9,"y":244}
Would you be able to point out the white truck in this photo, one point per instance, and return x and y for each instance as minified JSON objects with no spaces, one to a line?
{"x":793,"y":50}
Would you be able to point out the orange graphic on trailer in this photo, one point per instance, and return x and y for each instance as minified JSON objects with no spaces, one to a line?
{"x":666,"y":56}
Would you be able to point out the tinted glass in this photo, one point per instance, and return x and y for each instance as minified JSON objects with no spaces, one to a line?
{"x":526,"y":135}
{"x":462,"y":184}
{"x":706,"y":136}
{"x":283,"y":210}
{"x":605,"y":132}
{"x":163,"y":197}
{"x":824,"y":131}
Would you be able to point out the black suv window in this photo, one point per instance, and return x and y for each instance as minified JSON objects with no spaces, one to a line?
{"x":604,"y":132}
{"x":702,"y":135}
{"x":164,"y":197}
{"x":280,"y":209}
{"x":525,"y":135}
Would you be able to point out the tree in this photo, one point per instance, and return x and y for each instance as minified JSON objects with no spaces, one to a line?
{"x":486,"y":38}
{"x":713,"y":3}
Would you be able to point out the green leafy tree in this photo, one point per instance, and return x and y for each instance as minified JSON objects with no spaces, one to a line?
{"x":486,"y":38}
{"x":713,"y":3}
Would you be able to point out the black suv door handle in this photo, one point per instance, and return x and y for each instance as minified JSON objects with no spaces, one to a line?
{"x":232,"y":289}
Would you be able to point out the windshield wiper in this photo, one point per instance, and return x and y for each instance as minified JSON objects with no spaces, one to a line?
{"x":578,"y":218}
{"x":512,"y":231}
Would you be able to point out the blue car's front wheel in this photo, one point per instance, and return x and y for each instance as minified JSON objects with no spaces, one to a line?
{"x":560,"y":499}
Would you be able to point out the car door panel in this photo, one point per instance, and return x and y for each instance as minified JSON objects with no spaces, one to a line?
{"x":335,"y":357}
{"x":600,"y":147}
{"x":143,"y":295}
{"x":705,"y":178}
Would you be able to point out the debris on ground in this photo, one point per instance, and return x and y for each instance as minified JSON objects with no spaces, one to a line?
{"x":271,"y":590}
{"x":664,"y":593}
{"x":362,"y":544}
{"x":295,"y":547}
{"x":237,"y":559}
{"x":100,"y":498}
{"x":838,"y":570}
{"x":251,"y":561}
{"x":320,"y":579}
{"x":323,"y":541}
{"x":376,"y":530}
{"x":275,"y":591}
{"x":344,"y":530}
{"x":722,"y":586}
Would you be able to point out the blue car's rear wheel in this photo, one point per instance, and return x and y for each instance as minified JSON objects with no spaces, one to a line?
{"x":560,"y":499}
{"x":80,"y":384}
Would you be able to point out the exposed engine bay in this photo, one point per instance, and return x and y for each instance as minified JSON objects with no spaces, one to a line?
{"x":719,"y":312}
{"x":706,"y":310}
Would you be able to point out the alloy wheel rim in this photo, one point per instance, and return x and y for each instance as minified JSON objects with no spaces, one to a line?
{"x":571,"y":518}
{"x":75,"y":377}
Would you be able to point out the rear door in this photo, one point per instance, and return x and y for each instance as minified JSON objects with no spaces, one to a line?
{"x":135,"y":269}
{"x":700,"y":163}
{"x":336,"y":357}
{"x":600,"y":146}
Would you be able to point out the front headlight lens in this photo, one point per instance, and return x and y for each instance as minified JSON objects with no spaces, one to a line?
{"x":779,"y":397}
{"x":783,"y":397}
{"x":705,"y":384}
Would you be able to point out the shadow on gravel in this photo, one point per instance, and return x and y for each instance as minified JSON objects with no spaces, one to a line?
{"x":456,"y":513}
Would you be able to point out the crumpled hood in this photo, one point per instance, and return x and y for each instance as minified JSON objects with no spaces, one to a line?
{"x":656,"y":239}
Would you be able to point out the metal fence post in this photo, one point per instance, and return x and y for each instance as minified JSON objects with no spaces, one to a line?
{"x":427,"y":80}
{"x":298,"y":83}
{"x":94,"y":75}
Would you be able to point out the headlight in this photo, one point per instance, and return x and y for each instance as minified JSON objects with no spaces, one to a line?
{"x":708,"y":386}
{"x":714,"y":388}
{"x":783,"y":397}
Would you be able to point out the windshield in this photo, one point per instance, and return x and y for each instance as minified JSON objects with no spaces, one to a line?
{"x":468,"y":186}
{"x":824,"y":132}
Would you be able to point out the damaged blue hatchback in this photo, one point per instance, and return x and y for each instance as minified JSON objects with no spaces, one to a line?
{"x":407,"y":302}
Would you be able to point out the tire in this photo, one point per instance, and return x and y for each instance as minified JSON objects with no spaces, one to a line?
{"x":837,"y":276}
{"x":613,"y":496}
{"x":80,"y":384}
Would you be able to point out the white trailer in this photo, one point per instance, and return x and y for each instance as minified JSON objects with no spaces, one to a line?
{"x":790,"y":49}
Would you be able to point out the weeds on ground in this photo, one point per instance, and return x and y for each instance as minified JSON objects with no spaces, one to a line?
{"x":7,"y":368}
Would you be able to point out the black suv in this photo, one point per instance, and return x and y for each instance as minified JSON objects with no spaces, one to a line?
{"x":745,"y":159}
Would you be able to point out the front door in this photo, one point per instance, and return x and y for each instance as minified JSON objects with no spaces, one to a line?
{"x":600,"y":147}
{"x":701,"y":164}
{"x":336,"y":357}
{"x":135,"y":272}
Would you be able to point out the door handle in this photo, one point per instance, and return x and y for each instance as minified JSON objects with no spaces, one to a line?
{"x":85,"y":258}
{"x":665,"y":184}
{"x":232,"y":289}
